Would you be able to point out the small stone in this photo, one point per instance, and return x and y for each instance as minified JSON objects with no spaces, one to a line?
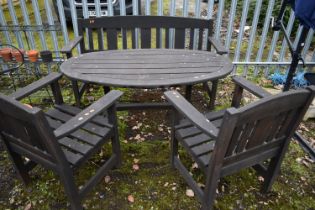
{"x":190,"y":193}
{"x":28,"y":206}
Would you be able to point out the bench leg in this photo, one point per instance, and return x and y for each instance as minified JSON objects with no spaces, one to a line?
{"x":76,"y":92}
{"x":211,"y":92}
{"x":18,"y":164}
{"x":115,"y":138}
{"x":188,"y":92}
{"x":106,"y":89}
{"x":271,"y":174}
{"x":174,"y":141}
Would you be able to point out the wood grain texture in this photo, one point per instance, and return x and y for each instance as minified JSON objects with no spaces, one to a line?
{"x":147,"y":68}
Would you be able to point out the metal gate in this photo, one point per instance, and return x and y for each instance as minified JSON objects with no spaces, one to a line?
{"x":242,"y":25}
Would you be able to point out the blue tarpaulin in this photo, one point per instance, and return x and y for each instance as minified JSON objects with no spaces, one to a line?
{"x":305,"y":12}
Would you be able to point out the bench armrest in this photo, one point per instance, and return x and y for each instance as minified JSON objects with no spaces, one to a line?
{"x":241,"y":84}
{"x":72,"y":44}
{"x":251,"y":87}
{"x":88,"y":114}
{"x":221,"y":50}
{"x":35,"y":86}
{"x":191,"y":113}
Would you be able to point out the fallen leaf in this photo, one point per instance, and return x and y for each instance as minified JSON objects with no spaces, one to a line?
{"x":190,"y":193}
{"x":305,"y":163}
{"x":195,"y":165}
{"x":261,"y":179}
{"x":201,"y":185}
{"x":135,"y":167}
{"x":28,"y":105}
{"x":107,"y":179}
{"x":28,"y":206}
{"x":137,"y":137}
{"x":131,"y":199}
{"x":135,"y":160}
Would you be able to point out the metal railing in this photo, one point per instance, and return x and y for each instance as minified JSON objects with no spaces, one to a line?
{"x":240,"y":24}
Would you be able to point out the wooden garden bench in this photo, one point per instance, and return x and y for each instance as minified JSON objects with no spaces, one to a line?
{"x":61,"y":139}
{"x":226,"y":141}
{"x":154,"y":32}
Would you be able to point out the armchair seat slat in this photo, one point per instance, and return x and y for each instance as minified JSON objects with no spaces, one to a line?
{"x":79,"y":134}
{"x":90,"y":127}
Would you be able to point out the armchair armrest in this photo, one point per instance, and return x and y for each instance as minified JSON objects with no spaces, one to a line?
{"x":191,"y":113}
{"x":87,"y":114}
{"x":35,"y":86}
{"x":221,"y":50}
{"x":251,"y":87}
{"x":72,"y":44}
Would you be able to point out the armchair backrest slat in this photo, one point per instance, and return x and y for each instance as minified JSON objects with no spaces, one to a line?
{"x":262,"y":123}
{"x":25,"y":130}
{"x":153,"y":31}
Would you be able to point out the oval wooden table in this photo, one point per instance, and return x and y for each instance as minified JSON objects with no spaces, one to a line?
{"x":148,"y":68}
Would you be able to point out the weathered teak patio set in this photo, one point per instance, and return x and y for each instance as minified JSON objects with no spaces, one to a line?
{"x":220,"y":142}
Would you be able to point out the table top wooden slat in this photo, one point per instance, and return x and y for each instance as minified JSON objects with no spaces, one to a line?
{"x":147,"y":68}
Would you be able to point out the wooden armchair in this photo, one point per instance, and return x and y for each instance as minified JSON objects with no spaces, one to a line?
{"x":223,"y":142}
{"x":62,"y":138}
{"x":154,"y":32}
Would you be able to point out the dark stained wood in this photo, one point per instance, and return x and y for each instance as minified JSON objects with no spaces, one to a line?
{"x":257,"y":133}
{"x":61,"y":139}
{"x":217,"y":45}
{"x":158,"y":38}
{"x":200,"y":39}
{"x":180,"y":38}
{"x":117,"y":26}
{"x":124,"y":38}
{"x":145,"y":38}
{"x":90,"y":36}
{"x":147,"y":68}
{"x":100,"y":40}
{"x":191,"y":38}
{"x":111,"y":39}
{"x":144,"y":24}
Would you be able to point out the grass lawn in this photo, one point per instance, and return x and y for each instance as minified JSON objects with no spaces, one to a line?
{"x":144,"y":137}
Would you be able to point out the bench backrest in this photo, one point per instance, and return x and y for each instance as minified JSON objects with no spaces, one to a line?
{"x":25,"y":131}
{"x":263,"y":129}
{"x":153,"y":31}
